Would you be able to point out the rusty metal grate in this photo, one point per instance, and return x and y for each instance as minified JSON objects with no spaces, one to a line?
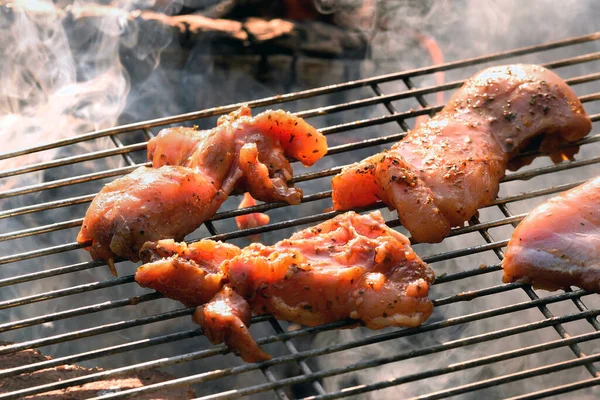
{"x":467,"y":293}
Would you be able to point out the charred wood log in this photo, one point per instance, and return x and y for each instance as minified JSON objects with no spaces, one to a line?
{"x":147,"y":35}
{"x":271,"y":35}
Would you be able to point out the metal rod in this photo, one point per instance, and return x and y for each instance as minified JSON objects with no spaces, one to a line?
{"x":334,"y":150}
{"x":292,"y":350}
{"x":569,"y":387}
{"x":265,"y":207}
{"x":13,"y":280}
{"x":47,"y":206}
{"x":430,"y":259}
{"x":108,"y":305}
{"x":318,"y":91}
{"x":336,"y":371}
{"x":57,"y":226}
{"x":121,"y":348}
{"x":547,"y":369}
{"x":475,"y":363}
{"x":543,"y":309}
{"x":123,"y":150}
{"x":126,"y":155}
{"x":70,"y":181}
{"x":294,"y":355}
{"x":97,"y":330}
{"x":53,"y":294}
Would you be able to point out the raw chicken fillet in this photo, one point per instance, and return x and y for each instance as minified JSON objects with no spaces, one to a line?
{"x":448,"y":167}
{"x":558,"y":244}
{"x":352,"y":266}
{"x":193,"y":172}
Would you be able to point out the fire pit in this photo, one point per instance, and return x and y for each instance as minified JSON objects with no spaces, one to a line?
{"x":484,"y":339}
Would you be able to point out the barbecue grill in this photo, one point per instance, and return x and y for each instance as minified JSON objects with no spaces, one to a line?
{"x":107,"y":321}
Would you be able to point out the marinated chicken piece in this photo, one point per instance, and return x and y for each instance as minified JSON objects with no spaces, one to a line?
{"x":191,"y":274}
{"x":252,"y":220}
{"x":193,"y":174}
{"x":225,"y":319}
{"x":352,"y":266}
{"x":444,"y":170}
{"x":148,"y":203}
{"x":558,"y":244}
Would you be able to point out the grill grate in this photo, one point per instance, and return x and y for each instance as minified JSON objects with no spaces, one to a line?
{"x":447,"y":330}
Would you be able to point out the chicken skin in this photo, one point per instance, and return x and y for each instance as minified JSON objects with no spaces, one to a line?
{"x":193,"y":172}
{"x":450,"y":166}
{"x":558,"y":244}
{"x":352,"y":266}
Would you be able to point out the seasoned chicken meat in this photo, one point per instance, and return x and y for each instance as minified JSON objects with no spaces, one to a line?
{"x":193,"y":174}
{"x":148,"y":203}
{"x":444,"y":170}
{"x":190,"y":274}
{"x":352,"y":266}
{"x":558,"y":244}
{"x":225,"y":319}
{"x":252,"y":220}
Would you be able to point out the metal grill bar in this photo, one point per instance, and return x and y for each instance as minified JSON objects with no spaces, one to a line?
{"x":470,"y":364}
{"x":90,"y":355}
{"x":292,"y":222}
{"x":102,"y":352}
{"x":77,"y":222}
{"x":560,"y":389}
{"x":79,"y":311}
{"x":308,"y":376}
{"x":560,"y":330}
{"x":358,"y":366}
{"x":528,"y":290}
{"x":514,"y":377}
{"x":398,"y":117}
{"x":292,"y":350}
{"x":47,"y":206}
{"x":334,"y":150}
{"x":323,"y":90}
{"x":58,"y":226}
{"x":120,"y":150}
{"x":32,"y":344}
{"x":400,"y":333}
{"x":70,"y":181}
{"x":582,"y":307}
{"x":50,"y":272}
{"x":544,"y":310}
{"x":128,"y":279}
{"x":65,"y":292}
{"x":380,"y":98}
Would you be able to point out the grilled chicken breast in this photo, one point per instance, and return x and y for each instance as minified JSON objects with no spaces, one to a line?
{"x":558,"y":244}
{"x":193,"y":174}
{"x":352,"y":266}
{"x":444,"y":170}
